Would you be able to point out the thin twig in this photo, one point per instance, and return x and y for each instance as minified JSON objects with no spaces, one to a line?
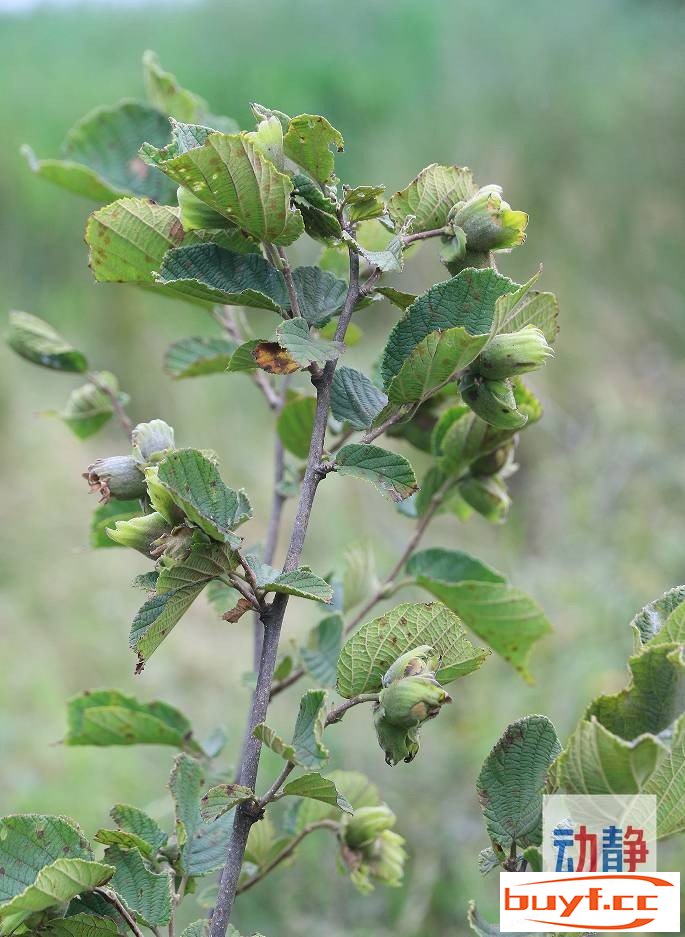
{"x":333,"y":716}
{"x":422,"y":235}
{"x":286,"y":852}
{"x":409,"y":548}
{"x":125,"y":422}
{"x":272,"y":619}
{"x":290,"y":283}
{"x":113,"y":899}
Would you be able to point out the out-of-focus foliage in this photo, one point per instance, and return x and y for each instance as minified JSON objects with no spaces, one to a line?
{"x":577,"y":111}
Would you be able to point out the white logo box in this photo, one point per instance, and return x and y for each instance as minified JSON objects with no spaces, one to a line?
{"x":565,"y":902}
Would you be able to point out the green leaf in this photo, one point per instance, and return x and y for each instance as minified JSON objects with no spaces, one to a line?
{"x":193,"y":481}
{"x":652,"y":620}
{"x":135,"y":821}
{"x":308,"y":143}
{"x":484,"y":928}
{"x":320,"y":654}
{"x":197,"y":356}
{"x":317,"y":788}
{"x":397,"y":297}
{"x":508,"y":619}
{"x":363,"y":202}
{"x":145,"y":892}
{"x":106,"y":515}
{"x":164,"y":92}
{"x":129,"y":238}
{"x":88,"y":407}
{"x":309,"y":750}
{"x":30,"y":842}
{"x":359,"y":576}
{"x":387,"y":471}
{"x":355,"y":399}
{"x":177,"y":588}
{"x":54,"y":885}
{"x":652,"y":701}
{"x":433,"y":362}
{"x":100,"y":155}
{"x":512,"y":780}
{"x":124,"y":840}
{"x":595,"y":761}
{"x":202,"y":844}
{"x":295,"y":424}
{"x":302,"y":347}
{"x":222,"y":798}
{"x":199,"y":929}
{"x":366,"y":656}
{"x":214,"y":274}
{"x":301,"y":582}
{"x":38,"y":342}
{"x":538,"y":309}
{"x":243,"y":357}
{"x":108,"y":717}
{"x":320,"y":294}
{"x":468,"y":300}
{"x":430,"y":196}
{"x":355,"y":787}
{"x":80,"y":925}
{"x":388,"y":259}
{"x":306,"y":749}
{"x":230,"y":175}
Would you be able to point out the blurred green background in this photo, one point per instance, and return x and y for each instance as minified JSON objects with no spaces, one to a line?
{"x":577,"y":110}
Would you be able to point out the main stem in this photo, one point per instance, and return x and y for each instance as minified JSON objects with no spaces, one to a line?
{"x":272,"y":620}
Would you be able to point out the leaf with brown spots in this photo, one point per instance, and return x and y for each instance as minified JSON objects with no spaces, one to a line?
{"x":273,"y":359}
{"x":236,"y":613}
{"x":222,"y":798}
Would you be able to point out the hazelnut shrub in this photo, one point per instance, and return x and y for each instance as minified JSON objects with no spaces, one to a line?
{"x":201,"y":212}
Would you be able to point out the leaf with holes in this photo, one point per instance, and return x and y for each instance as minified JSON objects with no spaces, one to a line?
{"x":129,"y":238}
{"x":366,"y":655}
{"x":217,"y":275}
{"x":355,"y":399}
{"x":308,"y":143}
{"x":108,"y":717}
{"x":222,"y":798}
{"x":430,"y":196}
{"x":387,"y":471}
{"x":319,"y":788}
{"x":229,"y":174}
{"x":100,"y":155}
{"x":194,"y":483}
{"x":202,"y":844}
{"x":512,"y":780}
{"x":32,"y":338}
{"x":197,"y":356}
{"x":508,"y":619}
